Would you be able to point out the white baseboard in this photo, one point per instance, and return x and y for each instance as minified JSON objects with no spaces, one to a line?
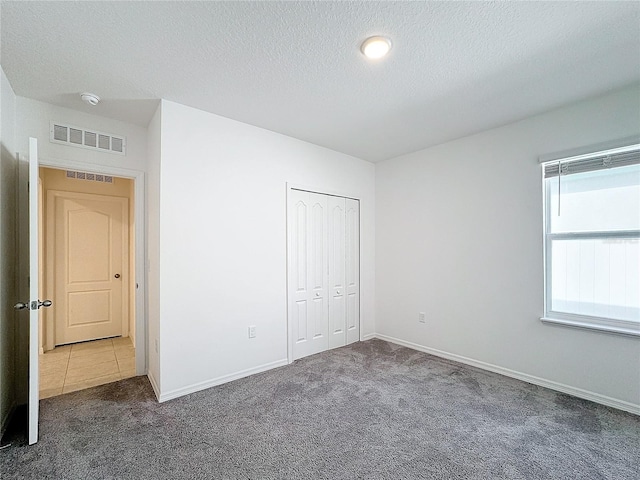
{"x":196,"y":387}
{"x":7,"y":418}
{"x":368,"y":336}
{"x":154,"y":385}
{"x":560,"y":387}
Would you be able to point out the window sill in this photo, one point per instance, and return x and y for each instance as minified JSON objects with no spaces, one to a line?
{"x":631,"y":330}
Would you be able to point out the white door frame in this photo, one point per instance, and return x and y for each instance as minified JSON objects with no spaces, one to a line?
{"x":323,"y":191}
{"x":138,"y":178}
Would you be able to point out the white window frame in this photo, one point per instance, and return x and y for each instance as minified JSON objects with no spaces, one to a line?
{"x":624,"y":327}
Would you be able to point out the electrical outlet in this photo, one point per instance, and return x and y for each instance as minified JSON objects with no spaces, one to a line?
{"x":422,"y":317}
{"x":252,"y":331}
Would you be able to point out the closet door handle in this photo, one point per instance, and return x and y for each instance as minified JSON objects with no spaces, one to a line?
{"x":117,"y":275}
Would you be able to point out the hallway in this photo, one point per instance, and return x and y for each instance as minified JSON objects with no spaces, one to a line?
{"x":69,"y":368}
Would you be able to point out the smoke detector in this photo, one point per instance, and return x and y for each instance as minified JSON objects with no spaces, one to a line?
{"x":90,"y":98}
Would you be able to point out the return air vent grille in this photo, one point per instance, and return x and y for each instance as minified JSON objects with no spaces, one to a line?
{"x":117,"y":144}
{"x":79,"y":137}
{"x":75,"y":136}
{"x":90,"y":139}
{"x":94,"y":177}
{"x":60,"y":133}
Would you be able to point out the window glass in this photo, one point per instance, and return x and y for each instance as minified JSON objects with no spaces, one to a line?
{"x":596,"y":277}
{"x":602,"y":200}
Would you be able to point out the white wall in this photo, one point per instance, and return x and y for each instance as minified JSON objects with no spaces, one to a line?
{"x":34,"y":119}
{"x":153,"y":246}
{"x":223,"y":242}
{"x":459,"y":236}
{"x":8,"y":173}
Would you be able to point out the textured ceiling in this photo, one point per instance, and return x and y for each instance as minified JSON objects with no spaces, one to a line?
{"x":295,"y":67}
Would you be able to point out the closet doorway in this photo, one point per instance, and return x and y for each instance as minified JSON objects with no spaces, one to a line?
{"x":323,"y":272}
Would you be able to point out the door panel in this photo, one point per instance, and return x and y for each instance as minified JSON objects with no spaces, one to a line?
{"x":301,"y":320}
{"x":34,"y":294}
{"x":91,"y":306}
{"x":352,"y":262}
{"x":308,"y":253}
{"x":91,"y":241}
{"x":337,"y":337}
{"x":88,"y":239}
{"x":319,"y":318}
{"x":300,"y":244}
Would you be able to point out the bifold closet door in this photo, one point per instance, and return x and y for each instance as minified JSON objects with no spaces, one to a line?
{"x":344,"y":268}
{"x":308,"y":308}
{"x":337,"y":277}
{"x":324,"y":265}
{"x":352,"y":269}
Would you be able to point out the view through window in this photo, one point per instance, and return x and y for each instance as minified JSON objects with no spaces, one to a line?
{"x":592,"y":232}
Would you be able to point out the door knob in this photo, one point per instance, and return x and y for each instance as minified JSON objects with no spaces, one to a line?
{"x":317,"y":294}
{"x":36,"y":304}
{"x":117,"y":275}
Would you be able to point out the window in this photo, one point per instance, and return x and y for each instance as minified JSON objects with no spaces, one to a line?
{"x":592,"y":240}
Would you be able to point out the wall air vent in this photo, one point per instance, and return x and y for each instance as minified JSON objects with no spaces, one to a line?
{"x":91,"y":139}
{"x":94,"y":177}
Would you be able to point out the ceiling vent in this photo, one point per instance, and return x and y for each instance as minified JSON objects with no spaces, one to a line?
{"x":92,"y":139}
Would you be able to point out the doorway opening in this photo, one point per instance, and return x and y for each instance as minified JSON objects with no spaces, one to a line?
{"x":87,"y":267}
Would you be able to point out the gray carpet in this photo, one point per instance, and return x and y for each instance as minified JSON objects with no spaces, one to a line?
{"x":371,"y":410}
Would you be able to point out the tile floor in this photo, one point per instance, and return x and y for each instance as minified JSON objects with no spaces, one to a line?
{"x":83,"y":365}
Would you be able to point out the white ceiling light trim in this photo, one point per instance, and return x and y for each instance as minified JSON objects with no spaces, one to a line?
{"x":90,"y":98}
{"x":376,"y":47}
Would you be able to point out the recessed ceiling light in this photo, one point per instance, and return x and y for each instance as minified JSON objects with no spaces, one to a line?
{"x":376,"y":47}
{"x":90,"y":98}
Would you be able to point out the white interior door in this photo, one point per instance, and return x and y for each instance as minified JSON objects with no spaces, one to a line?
{"x":34,"y":294}
{"x":352,"y":273}
{"x":32,"y":304}
{"x":90,"y":258}
{"x":337,"y":292}
{"x":308,"y":309}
